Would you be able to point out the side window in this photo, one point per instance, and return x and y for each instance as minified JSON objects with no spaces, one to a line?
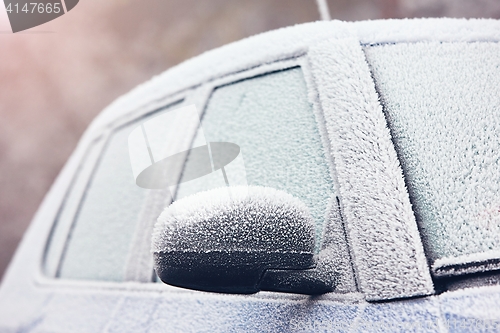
{"x":270,"y":119}
{"x":102,"y":230}
{"x":442,"y":107}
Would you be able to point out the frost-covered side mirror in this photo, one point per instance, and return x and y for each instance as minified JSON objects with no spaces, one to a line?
{"x":238,"y":240}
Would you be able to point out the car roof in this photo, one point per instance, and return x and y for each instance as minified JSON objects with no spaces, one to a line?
{"x":220,"y":61}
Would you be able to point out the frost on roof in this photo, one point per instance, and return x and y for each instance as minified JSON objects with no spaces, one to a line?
{"x":442,"y":104}
{"x":251,"y":219}
{"x":427,"y":30}
{"x":284,"y":43}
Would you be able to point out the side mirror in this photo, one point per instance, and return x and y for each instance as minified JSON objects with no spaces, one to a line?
{"x":239,"y":240}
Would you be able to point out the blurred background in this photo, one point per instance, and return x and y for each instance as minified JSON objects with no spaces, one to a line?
{"x":55,"y":78}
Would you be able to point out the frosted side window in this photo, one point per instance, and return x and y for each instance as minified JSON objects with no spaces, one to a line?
{"x":270,"y":119}
{"x":100,"y":242}
{"x":64,"y":220}
{"x":442,"y":105}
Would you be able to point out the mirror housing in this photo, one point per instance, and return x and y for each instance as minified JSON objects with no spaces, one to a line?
{"x":238,"y":240}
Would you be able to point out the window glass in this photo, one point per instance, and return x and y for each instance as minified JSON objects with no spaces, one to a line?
{"x":442,"y":105}
{"x":270,"y":119}
{"x":70,"y":206}
{"x":101,"y":238}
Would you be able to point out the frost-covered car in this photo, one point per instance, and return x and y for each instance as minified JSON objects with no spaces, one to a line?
{"x":371,"y":148}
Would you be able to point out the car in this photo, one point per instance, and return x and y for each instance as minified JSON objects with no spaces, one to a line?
{"x":330,"y":176}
